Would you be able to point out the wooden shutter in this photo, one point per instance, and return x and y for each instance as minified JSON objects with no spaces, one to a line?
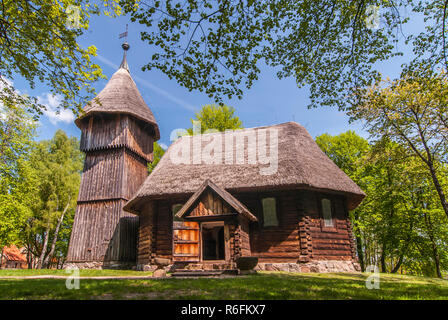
{"x":186,"y":241}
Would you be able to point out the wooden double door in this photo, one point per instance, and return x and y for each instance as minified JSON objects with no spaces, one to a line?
{"x":200,"y":241}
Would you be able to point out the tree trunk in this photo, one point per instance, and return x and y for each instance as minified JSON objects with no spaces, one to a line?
{"x":383,"y":258}
{"x":430,"y":163}
{"x":435,"y":251}
{"x":360,"y":253}
{"x":28,"y":257}
{"x":388,"y":234}
{"x":55,"y":237}
{"x":359,"y":245}
{"x":436,"y":260}
{"x":405,"y":247}
{"x":1,"y":258}
{"x":32,"y":255}
{"x":44,"y":247}
{"x":438,"y":187}
{"x":398,"y":265}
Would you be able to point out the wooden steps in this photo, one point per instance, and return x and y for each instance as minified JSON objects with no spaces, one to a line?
{"x":203,"y":273}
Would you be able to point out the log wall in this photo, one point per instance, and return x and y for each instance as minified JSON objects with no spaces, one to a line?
{"x":244,"y":237}
{"x":280,"y":243}
{"x":145,"y":234}
{"x":300,"y":235}
{"x":328,"y":243}
{"x":164,"y":230}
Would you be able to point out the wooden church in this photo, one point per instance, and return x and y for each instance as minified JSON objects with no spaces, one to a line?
{"x":197,"y":215}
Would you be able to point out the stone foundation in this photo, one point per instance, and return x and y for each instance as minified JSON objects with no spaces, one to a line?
{"x":319,"y":266}
{"x":186,"y":266}
{"x":146,"y":267}
{"x":312,"y":266}
{"x":100,"y":265}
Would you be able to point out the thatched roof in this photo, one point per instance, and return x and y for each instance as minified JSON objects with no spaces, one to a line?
{"x":301,"y":165}
{"x":227,"y":197}
{"x":121,"y":95}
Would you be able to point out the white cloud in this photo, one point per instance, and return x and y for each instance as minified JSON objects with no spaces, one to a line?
{"x":53,"y":113}
{"x":163,"y":146}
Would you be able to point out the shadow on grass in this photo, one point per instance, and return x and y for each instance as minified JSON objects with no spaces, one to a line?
{"x":261,"y":286}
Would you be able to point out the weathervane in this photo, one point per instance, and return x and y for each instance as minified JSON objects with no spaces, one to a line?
{"x":125,"y":46}
{"x":124,"y":35}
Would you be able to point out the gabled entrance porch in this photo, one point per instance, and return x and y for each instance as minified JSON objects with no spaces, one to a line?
{"x":214,"y":231}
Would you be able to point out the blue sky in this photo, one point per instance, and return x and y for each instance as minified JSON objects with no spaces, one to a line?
{"x":269,"y":101}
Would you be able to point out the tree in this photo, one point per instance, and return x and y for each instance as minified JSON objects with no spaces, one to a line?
{"x":214,"y":117}
{"x":217,"y":46}
{"x":58,"y":164}
{"x":210,"y":117}
{"x":348,"y":151}
{"x":157,"y":155}
{"x":408,"y":111}
{"x":38,"y":41}
{"x":391,"y":211}
{"x":399,"y":225}
{"x":17,"y":181}
{"x":430,"y":46}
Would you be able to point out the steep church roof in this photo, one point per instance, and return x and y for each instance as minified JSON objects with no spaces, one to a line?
{"x":121,"y":95}
{"x":301,"y":165}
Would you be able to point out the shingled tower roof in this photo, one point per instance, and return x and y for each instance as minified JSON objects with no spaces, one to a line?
{"x":121,"y":95}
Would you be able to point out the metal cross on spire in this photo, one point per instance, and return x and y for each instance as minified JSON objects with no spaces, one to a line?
{"x":124,"y":34}
{"x":125,"y":46}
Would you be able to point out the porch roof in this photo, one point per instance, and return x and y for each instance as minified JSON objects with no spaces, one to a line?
{"x":226,"y":196}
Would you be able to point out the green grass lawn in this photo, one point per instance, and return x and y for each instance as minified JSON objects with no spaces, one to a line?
{"x":265,"y":285}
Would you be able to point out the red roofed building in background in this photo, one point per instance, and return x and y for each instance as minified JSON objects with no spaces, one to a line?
{"x":13,"y":258}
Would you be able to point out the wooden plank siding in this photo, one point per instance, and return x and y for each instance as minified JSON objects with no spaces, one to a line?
{"x":186,"y":241}
{"x":108,"y":131}
{"x":210,"y":204}
{"x":117,"y":149}
{"x":102,"y":231}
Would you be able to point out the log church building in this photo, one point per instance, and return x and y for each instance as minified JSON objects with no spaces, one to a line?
{"x":205,"y":215}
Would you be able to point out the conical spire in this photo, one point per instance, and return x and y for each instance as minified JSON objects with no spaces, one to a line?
{"x":124,"y":62}
{"x":121,"y":95}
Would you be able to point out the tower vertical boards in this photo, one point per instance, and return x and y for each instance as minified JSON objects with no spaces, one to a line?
{"x":118,"y":132}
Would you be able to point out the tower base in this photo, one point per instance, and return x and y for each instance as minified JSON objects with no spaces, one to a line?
{"x":99,"y":265}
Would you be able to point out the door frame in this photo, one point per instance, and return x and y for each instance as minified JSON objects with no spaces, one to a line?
{"x":220,"y":223}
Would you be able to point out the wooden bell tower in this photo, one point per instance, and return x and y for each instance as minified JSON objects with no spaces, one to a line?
{"x":118,"y":132}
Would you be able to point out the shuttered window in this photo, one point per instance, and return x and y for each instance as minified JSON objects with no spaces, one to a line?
{"x":326,"y":213}
{"x":175,"y":208}
{"x":269,"y":212}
